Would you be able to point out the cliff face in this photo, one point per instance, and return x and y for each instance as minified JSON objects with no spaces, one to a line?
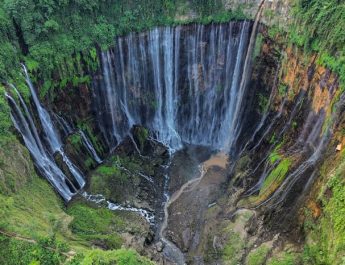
{"x":293,"y":120}
{"x":276,"y":12}
{"x":281,"y":200}
{"x":16,"y":168}
{"x":269,"y":212}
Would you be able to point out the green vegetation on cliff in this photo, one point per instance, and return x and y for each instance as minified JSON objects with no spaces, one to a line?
{"x":97,"y":225}
{"x":326,"y":233}
{"x":58,"y":40}
{"x":319,"y":27}
{"x":118,"y":178}
{"x":34,"y":230}
{"x":52,"y":252}
{"x":118,"y":257}
{"x":43,"y":231}
{"x":5,"y":121}
{"x":47,"y":251}
{"x":44,"y":34}
{"x":258,"y":256}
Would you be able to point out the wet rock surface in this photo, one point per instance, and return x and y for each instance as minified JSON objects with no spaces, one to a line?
{"x":188,"y":205}
{"x":185,"y":165}
{"x":134,"y":174}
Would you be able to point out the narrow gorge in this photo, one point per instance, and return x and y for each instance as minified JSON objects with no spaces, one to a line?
{"x":172,"y":133}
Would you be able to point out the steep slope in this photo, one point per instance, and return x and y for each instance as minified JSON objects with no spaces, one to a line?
{"x":276,"y":197}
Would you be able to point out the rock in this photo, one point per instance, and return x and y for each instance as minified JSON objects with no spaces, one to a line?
{"x":149,"y":238}
{"x":186,"y":237}
{"x":339,"y":147}
{"x":160,"y":246}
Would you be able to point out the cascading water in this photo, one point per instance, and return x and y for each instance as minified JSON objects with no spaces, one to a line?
{"x":67,"y":129}
{"x":43,"y":159}
{"x":99,"y":199}
{"x":51,"y":134}
{"x":185,"y":83}
{"x":90,"y":147}
{"x":44,"y":146}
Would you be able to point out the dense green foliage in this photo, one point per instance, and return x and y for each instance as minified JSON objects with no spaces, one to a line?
{"x":49,"y":251}
{"x":46,"y":251}
{"x":44,"y":34}
{"x":97,"y":225}
{"x":58,"y":40}
{"x":27,"y":214}
{"x":5,"y":121}
{"x":117,"y":178}
{"x":258,"y":256}
{"x":232,"y":250}
{"x":119,"y":257}
{"x":110,"y":180}
{"x":142,"y":134}
{"x":319,"y":27}
{"x":56,"y":230}
{"x":326,"y":236}
{"x":285,"y":259}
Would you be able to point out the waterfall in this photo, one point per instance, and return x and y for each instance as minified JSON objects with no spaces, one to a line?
{"x":237,"y":112}
{"x":68,"y":129}
{"x":311,"y":143}
{"x":100,"y":199}
{"x":90,"y":147}
{"x":184,"y":83}
{"x":51,"y":133}
{"x":43,"y":159}
{"x":44,"y":146}
{"x":64,"y":125}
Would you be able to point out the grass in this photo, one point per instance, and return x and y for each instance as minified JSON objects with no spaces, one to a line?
{"x":285,"y":259}
{"x":282,"y":89}
{"x":75,"y":140}
{"x":236,"y":243}
{"x":110,"y":181}
{"x":118,"y":177}
{"x":85,"y":126}
{"x":52,"y":252}
{"x":97,"y":225}
{"x":118,"y":257}
{"x":16,"y":168}
{"x":17,"y":252}
{"x":327,"y":235}
{"x":141,"y":134}
{"x":275,"y":178}
{"x":258,"y":256}
{"x":275,"y":156}
{"x":232,"y":251}
{"x":263,"y":103}
{"x":270,"y":184}
{"x":27,"y":214}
